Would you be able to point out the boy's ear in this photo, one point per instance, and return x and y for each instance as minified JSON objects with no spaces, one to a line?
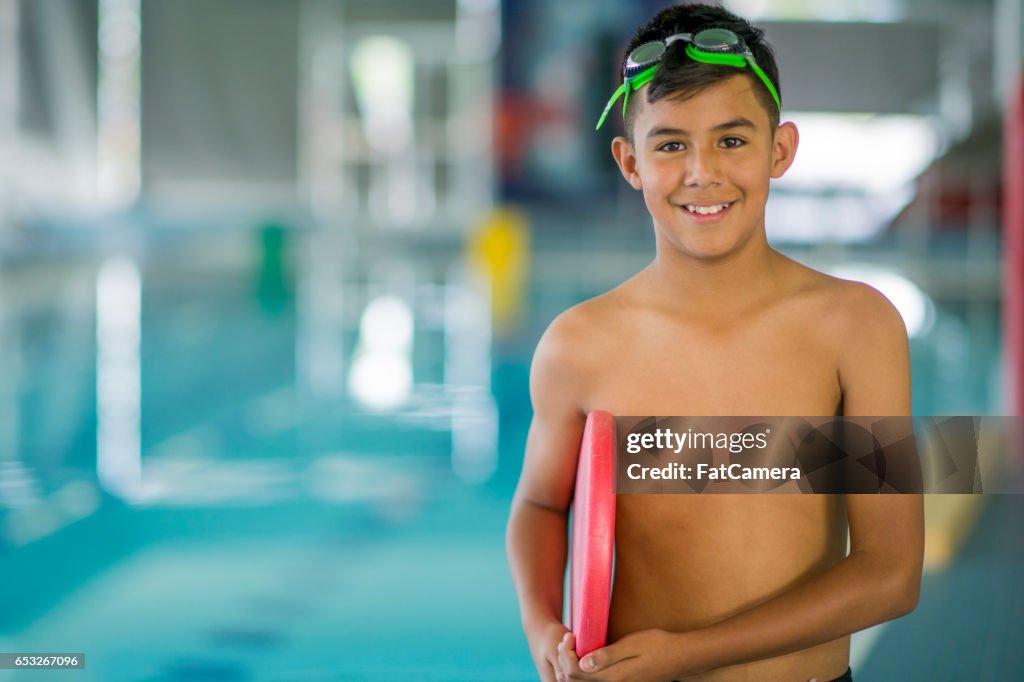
{"x":784,"y":144}
{"x":625,"y":156}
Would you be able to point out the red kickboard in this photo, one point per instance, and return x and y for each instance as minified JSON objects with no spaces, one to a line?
{"x":593,"y":534}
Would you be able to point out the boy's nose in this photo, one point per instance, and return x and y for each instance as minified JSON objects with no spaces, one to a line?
{"x":702,"y":169}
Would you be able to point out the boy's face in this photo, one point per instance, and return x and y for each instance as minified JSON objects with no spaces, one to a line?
{"x":682,"y":156}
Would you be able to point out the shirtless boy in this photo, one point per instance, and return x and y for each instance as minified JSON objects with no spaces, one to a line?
{"x":715,"y":587}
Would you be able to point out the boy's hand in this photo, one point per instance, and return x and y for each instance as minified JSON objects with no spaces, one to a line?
{"x":544,"y":647}
{"x":648,"y":656}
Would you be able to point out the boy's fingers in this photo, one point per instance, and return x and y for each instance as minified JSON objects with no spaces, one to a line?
{"x":556,"y":671}
{"x":567,"y":655}
{"x":604,"y":657}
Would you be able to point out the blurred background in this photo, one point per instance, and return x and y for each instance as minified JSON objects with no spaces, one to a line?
{"x":272,"y":272}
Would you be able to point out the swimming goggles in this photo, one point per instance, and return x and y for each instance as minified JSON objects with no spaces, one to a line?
{"x":710,"y":46}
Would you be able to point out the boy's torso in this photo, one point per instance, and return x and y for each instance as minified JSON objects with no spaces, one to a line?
{"x":686,"y":561}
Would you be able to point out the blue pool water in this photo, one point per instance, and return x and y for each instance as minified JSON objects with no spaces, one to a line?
{"x":284,"y":534}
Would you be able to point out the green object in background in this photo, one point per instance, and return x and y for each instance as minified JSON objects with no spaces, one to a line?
{"x":273,"y":280}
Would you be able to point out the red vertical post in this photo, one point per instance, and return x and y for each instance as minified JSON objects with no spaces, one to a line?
{"x":1013,"y":243}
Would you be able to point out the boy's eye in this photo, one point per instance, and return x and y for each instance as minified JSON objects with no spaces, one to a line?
{"x":728,"y":143}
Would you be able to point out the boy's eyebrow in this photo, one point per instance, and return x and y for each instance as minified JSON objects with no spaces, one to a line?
{"x":734,"y":123}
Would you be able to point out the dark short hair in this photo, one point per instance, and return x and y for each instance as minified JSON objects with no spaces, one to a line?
{"x":679,"y":77}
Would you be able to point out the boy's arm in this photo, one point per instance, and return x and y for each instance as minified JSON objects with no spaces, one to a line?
{"x":880,"y":578}
{"x":537,"y":534}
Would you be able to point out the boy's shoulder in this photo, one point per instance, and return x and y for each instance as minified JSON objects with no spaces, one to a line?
{"x":580,"y":339}
{"x":599,"y":319}
{"x":582,"y":327}
{"x":856,"y":321}
{"x":843,"y":304}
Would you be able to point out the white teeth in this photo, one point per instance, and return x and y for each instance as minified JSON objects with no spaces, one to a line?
{"x":705,"y":210}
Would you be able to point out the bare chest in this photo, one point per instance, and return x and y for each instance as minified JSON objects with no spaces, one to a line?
{"x":761,"y":368}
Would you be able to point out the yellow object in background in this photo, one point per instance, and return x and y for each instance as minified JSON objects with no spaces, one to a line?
{"x":499,"y":251}
{"x":948,"y":520}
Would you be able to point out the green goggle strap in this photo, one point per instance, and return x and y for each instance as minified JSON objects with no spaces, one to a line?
{"x":767,"y":83}
{"x":634,"y":83}
{"x":736,"y":60}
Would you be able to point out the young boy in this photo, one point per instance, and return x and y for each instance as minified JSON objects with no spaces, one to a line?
{"x":715,"y":587}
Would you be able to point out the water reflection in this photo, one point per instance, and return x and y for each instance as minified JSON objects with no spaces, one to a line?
{"x":118,"y":378}
{"x":381,"y":375}
{"x":467,"y":377}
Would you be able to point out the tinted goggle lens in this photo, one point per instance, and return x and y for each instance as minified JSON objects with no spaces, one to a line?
{"x":718,"y":40}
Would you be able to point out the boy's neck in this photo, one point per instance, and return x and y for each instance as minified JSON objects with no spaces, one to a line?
{"x":710,"y":286}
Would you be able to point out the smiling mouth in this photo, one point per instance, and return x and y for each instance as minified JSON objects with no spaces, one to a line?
{"x":706,"y":211}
